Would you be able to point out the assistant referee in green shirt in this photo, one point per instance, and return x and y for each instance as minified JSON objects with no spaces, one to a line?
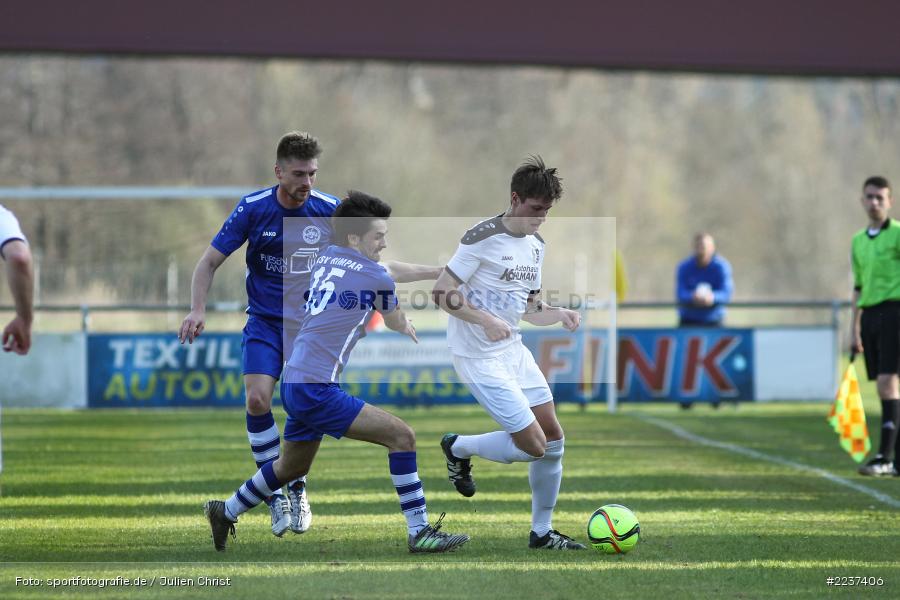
{"x":875,"y":255}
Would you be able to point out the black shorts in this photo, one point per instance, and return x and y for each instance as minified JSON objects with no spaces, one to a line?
{"x":880,"y":329}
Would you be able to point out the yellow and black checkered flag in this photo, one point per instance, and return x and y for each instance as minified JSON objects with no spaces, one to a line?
{"x":848,"y":417}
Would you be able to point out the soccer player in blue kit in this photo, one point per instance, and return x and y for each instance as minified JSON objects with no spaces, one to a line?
{"x":278,"y":268}
{"x":347,"y":286}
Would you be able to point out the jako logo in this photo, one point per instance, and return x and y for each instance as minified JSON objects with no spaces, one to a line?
{"x":269,"y":234}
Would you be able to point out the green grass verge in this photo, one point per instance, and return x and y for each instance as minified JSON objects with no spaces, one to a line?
{"x":119,"y":494}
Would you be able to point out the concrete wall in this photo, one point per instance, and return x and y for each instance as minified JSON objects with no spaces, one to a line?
{"x":52,"y":374}
{"x":795,"y":364}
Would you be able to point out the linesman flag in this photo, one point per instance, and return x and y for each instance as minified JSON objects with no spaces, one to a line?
{"x":848,"y":417}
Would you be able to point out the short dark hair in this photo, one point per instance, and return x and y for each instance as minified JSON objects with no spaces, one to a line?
{"x":877,"y":181}
{"x":298,"y":145}
{"x":535,"y":180}
{"x":354,"y":215}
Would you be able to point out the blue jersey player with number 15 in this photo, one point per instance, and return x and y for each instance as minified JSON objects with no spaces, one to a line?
{"x":348,"y":286}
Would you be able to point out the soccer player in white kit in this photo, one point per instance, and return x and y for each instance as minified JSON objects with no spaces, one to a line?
{"x":492,"y":282}
{"x":16,"y":336}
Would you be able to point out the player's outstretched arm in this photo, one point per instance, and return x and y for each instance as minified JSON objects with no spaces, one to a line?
{"x":402,"y":272}
{"x":452,"y":301}
{"x":195,"y":321}
{"x":396,"y":321}
{"x":542,"y":314}
{"x":16,"y":335}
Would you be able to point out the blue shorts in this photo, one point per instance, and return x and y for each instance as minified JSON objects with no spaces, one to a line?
{"x":316,"y":409}
{"x":265,"y":346}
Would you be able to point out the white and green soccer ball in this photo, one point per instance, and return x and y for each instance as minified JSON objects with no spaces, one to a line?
{"x":613,"y":529}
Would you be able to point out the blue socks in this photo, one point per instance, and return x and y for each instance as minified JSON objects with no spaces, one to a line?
{"x":405,"y":476}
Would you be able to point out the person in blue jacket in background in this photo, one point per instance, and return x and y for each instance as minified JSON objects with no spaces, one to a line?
{"x":703,"y":286}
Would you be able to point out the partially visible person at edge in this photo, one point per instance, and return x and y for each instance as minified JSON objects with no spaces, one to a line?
{"x":14,"y":249}
{"x":875,"y":257}
{"x":621,"y":279}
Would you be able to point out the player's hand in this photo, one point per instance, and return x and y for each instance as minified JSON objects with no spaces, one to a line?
{"x":192,"y":326}
{"x":570,"y":319}
{"x":17,"y":336}
{"x":497,"y":329}
{"x":410,"y":331}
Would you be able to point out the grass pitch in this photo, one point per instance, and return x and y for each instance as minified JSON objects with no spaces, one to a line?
{"x":107,"y":494}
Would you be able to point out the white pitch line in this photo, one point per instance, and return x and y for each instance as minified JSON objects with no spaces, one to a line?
{"x":687,"y":435}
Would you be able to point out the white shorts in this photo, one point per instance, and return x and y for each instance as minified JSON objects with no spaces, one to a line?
{"x":506,"y":385}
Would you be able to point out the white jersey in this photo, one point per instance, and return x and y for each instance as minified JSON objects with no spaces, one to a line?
{"x":498,"y":270}
{"x":9,"y":227}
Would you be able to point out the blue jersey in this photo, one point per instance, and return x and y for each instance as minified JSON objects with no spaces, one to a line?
{"x":717,"y":274}
{"x":346,"y":287}
{"x":278,"y":262}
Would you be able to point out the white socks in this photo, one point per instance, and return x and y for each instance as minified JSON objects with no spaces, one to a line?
{"x":545,"y":475}
{"x":497,"y":446}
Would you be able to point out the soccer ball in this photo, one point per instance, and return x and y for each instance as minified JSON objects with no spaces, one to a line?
{"x":613,"y":529}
